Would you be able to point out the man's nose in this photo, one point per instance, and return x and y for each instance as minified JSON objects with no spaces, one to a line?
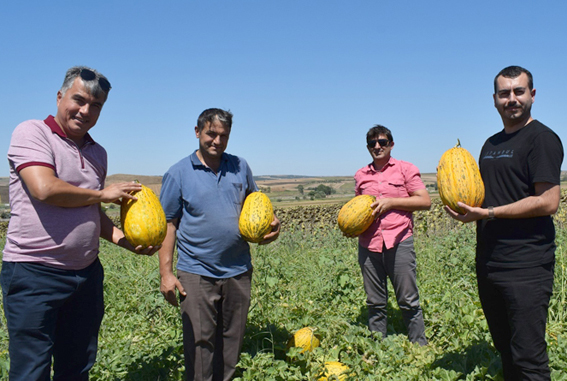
{"x":84,"y":109}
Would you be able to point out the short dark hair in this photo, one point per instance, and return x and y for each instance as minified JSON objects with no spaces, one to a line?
{"x":514,"y":72}
{"x":378,"y":130}
{"x":211,"y":114}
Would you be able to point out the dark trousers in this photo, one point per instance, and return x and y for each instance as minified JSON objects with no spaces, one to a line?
{"x":399,"y":264}
{"x":214,"y":314}
{"x":515,"y":303}
{"x":52,"y":313}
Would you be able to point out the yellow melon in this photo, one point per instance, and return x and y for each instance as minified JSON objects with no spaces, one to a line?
{"x":356,"y":215}
{"x":459,"y":179}
{"x":304,"y":338}
{"x":143,"y":220}
{"x":256,"y":217}
{"x":334,"y":368}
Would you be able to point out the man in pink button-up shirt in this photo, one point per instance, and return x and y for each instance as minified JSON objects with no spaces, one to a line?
{"x":386,"y":248}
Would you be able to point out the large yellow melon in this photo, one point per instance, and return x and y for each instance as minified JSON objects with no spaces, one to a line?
{"x":356,"y":215}
{"x":305,"y":339}
{"x":143,"y":220}
{"x":334,"y":368}
{"x":256,"y":217}
{"x":458,"y":179}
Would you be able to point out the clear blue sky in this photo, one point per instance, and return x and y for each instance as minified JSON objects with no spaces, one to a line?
{"x":304,"y":79}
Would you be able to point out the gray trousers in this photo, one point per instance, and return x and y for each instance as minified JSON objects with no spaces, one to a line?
{"x":214,"y":314}
{"x":398,"y":264}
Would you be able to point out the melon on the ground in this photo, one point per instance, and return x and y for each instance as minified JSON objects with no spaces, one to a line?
{"x":305,"y":339}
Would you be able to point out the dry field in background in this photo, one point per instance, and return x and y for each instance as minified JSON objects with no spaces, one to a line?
{"x":282,"y":190}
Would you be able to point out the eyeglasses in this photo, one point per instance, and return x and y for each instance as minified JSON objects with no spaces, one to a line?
{"x":89,"y":75}
{"x":382,"y":142}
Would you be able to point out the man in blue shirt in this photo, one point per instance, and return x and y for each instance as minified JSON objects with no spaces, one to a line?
{"x":202,"y":196}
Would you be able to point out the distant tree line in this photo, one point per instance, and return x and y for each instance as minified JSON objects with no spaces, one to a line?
{"x":321,"y":191}
{"x":433,"y":186}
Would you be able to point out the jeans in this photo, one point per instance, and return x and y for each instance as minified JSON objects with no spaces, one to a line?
{"x":52,"y":313}
{"x":399,"y":264}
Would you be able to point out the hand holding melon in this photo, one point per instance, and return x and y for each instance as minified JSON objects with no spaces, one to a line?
{"x":256,"y":217}
{"x":459,"y":179}
{"x":143,"y":220}
{"x":356,"y":215}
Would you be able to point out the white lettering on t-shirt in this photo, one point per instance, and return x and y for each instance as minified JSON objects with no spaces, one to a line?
{"x":508,"y":153}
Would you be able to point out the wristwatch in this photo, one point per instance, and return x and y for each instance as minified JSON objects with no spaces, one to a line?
{"x":491,"y":213}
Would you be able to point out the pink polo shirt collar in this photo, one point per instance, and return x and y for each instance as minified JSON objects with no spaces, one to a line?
{"x":56,"y":129}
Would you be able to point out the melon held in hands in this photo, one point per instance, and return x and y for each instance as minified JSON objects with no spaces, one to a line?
{"x":143,"y":220}
{"x":256,"y":217}
{"x":356,"y":215}
{"x":459,"y":179}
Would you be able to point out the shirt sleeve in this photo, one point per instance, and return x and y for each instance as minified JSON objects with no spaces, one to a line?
{"x":545,"y":158}
{"x":413,"y":178}
{"x":170,"y":197}
{"x":357,"y":190}
{"x":30,"y":146}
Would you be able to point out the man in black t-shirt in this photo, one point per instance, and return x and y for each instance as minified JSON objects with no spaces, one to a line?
{"x":515,"y":255}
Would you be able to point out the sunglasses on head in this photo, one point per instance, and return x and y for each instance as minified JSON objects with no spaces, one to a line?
{"x":89,"y":75}
{"x":382,"y":142}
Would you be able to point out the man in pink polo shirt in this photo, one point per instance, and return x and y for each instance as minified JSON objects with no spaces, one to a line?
{"x":386,"y":248}
{"x":51,"y":275}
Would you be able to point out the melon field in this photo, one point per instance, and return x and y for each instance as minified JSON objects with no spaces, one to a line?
{"x":310,"y":277}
